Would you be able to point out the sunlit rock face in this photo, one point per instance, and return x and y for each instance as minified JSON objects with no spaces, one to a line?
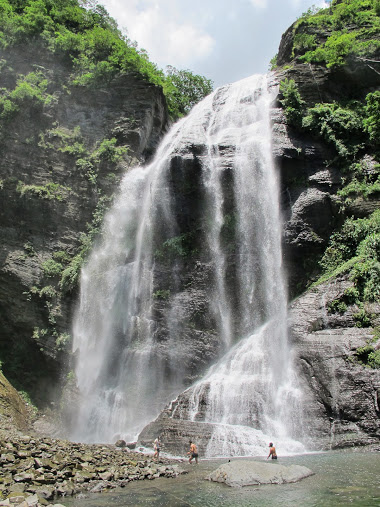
{"x":342,"y":394}
{"x":309,"y":180}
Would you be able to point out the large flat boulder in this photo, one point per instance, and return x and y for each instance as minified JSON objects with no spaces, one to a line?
{"x":248,"y":473}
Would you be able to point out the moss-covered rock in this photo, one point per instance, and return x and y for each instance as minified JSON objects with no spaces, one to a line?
{"x":14,"y":412}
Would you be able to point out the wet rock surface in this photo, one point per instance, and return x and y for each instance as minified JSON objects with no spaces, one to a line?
{"x":38,"y":471}
{"x":249,"y":473}
{"x":341,"y":394}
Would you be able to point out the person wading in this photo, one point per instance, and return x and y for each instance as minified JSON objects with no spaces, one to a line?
{"x":157,"y":445}
{"x":272,"y":451}
{"x":193,"y":452}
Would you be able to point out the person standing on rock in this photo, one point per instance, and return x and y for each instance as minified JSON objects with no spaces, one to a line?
{"x":157,"y":445}
{"x":272,"y":451}
{"x":193,"y":452}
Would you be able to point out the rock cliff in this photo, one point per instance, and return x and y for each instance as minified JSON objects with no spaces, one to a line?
{"x":62,"y":159}
{"x":60,"y":165}
{"x":331,"y":343}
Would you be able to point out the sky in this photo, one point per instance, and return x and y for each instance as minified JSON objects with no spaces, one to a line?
{"x":224,"y":40}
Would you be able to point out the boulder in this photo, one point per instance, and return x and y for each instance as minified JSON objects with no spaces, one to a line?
{"x":247,"y":473}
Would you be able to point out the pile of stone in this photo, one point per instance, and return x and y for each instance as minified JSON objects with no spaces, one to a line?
{"x":35,"y":471}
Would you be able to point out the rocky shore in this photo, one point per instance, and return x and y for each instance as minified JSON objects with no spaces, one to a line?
{"x":38,"y":471}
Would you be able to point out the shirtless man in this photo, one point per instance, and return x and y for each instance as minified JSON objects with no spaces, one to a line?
{"x":157,"y":445}
{"x":193,"y":452}
{"x":272,"y":451}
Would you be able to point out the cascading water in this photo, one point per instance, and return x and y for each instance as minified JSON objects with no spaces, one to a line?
{"x":128,"y":369}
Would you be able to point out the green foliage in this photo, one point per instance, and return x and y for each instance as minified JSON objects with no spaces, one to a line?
{"x":368,"y":355}
{"x":161,"y":294}
{"x":292,"y":102}
{"x":61,"y":256}
{"x":62,"y":342}
{"x":345,"y":243}
{"x":351,"y":295}
{"x":372,"y":120}
{"x":310,"y":12}
{"x":184,"y":89}
{"x":108,"y":150}
{"x":51,"y":268}
{"x":84,"y":33}
{"x":337,"y":306}
{"x":176,"y":247}
{"x":71,"y":142}
{"x":273,"y":62}
{"x":357,"y":188}
{"x":29,"y":249}
{"x":356,"y":249}
{"x":70,"y":275}
{"x":361,"y":38}
{"x":30,"y":91}
{"x":303,"y":42}
{"x":66,"y":141}
{"x":374,"y":359}
{"x":49,"y":291}
{"x":50,"y":191}
{"x":334,"y":51}
{"x":341,"y":127}
{"x":362,"y":318}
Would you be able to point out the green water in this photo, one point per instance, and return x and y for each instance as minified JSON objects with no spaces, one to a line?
{"x":341,"y":479}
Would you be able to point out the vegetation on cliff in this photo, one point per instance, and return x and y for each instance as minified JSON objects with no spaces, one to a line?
{"x":83,"y":32}
{"x":345,"y":35}
{"x":347,"y":29}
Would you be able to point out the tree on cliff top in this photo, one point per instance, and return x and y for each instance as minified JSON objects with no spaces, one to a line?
{"x":185,"y":89}
{"x":84,"y":31}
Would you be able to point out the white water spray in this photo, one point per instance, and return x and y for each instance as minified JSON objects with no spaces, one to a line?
{"x":126,"y":373}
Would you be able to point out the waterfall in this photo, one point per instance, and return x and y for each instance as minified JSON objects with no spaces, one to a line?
{"x":134,"y":344}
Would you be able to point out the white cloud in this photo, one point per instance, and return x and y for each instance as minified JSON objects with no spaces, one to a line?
{"x":318,"y":3}
{"x":259,"y":3}
{"x":159,"y":28}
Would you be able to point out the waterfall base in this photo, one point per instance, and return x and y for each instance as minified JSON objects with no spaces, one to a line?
{"x":213,"y":439}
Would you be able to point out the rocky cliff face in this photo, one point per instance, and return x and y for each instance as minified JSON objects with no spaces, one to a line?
{"x":341,"y":394}
{"x":61,"y":162}
{"x":310,"y":182}
{"x":341,"y":406}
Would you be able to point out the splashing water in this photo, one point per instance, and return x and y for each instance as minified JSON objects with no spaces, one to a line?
{"x":126,"y":372}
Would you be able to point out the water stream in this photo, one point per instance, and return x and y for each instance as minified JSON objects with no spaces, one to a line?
{"x":341,"y":479}
{"x":126,"y":371}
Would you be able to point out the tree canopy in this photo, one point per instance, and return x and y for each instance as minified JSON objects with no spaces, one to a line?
{"x":98,"y":50}
{"x":186,"y":89}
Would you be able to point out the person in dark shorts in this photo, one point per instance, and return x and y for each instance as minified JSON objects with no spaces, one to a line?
{"x":193,"y":452}
{"x":272,"y":451}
